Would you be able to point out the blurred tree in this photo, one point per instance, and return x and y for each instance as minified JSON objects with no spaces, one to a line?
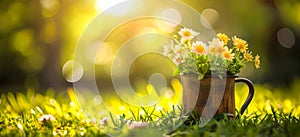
{"x":20,"y":55}
{"x":38,"y":36}
{"x":282,"y":50}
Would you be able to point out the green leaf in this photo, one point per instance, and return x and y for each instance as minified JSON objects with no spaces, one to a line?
{"x":204,"y":67}
{"x":200,"y":76}
{"x":176,"y":71}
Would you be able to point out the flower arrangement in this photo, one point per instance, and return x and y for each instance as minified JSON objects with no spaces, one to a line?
{"x":214,"y":57}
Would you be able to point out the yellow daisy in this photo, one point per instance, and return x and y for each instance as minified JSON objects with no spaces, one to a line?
{"x":257,"y":62}
{"x":217,"y":50}
{"x":216,"y":42}
{"x":216,"y":46}
{"x":248,"y":56}
{"x":240,"y":44}
{"x":227,"y":54}
{"x":199,"y":47}
{"x":223,"y":37}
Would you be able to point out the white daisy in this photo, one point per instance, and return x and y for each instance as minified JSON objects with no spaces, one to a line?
{"x":199,"y":47}
{"x":187,"y":34}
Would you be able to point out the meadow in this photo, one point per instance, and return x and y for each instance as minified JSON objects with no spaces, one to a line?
{"x":273,"y":112}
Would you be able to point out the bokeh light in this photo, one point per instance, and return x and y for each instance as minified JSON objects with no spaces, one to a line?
{"x":286,"y":37}
{"x":106,"y":4}
{"x":23,"y":40}
{"x":171,"y":18}
{"x":210,"y":16}
{"x":50,"y":7}
{"x":72,"y":71}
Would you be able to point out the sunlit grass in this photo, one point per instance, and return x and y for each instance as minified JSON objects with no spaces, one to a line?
{"x":270,"y":114}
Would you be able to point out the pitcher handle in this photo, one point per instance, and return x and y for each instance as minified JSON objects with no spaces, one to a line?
{"x":250,"y":94}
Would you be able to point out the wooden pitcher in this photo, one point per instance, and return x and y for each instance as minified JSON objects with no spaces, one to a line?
{"x":212,"y":95}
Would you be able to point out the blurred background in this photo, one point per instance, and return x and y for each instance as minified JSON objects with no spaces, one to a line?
{"x":38,"y":37}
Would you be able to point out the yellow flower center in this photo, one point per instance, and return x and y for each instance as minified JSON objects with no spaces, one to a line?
{"x":186,"y":34}
{"x":248,"y":56}
{"x":241,"y":47}
{"x":227,"y":55}
{"x":199,"y":49}
{"x":240,"y":44}
{"x":219,"y":50}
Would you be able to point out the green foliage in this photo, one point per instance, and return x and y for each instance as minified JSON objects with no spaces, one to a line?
{"x":277,"y":124}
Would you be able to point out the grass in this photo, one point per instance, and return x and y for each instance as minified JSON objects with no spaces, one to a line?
{"x":26,"y":114}
{"x":277,"y":124}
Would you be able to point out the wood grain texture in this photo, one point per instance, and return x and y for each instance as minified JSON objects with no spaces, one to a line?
{"x":209,"y":96}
